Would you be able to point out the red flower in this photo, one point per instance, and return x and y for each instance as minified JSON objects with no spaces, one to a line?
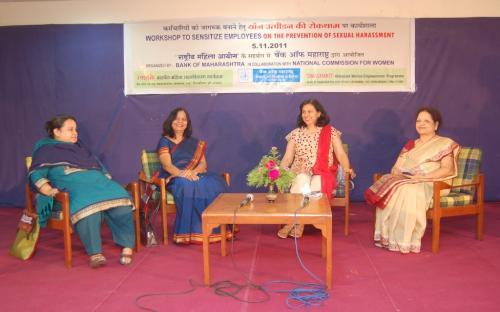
{"x":274,"y":174}
{"x":270,"y":164}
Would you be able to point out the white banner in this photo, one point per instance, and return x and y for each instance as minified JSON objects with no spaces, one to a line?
{"x":240,"y":56}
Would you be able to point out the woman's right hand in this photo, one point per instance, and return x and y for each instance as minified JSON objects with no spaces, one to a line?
{"x":352,"y":173}
{"x":48,"y":190}
{"x":191,"y":175}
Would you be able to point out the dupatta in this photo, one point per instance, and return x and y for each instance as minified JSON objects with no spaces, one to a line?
{"x":49,"y":152}
{"x":328,"y":174}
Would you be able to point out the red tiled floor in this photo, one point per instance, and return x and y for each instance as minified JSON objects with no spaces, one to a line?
{"x":464,"y":276}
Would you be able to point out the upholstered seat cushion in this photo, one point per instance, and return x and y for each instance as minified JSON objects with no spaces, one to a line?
{"x":456,"y":199}
{"x":170,"y":197}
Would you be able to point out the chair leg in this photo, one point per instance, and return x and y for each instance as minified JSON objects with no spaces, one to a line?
{"x":66,"y":230}
{"x":164,"y":222}
{"x":346,"y":219}
{"x":436,"y":228}
{"x":480,"y":225}
{"x":137,"y":219}
{"x":68,"y":259}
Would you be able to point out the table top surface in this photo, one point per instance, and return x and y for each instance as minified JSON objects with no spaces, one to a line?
{"x":285,"y":205}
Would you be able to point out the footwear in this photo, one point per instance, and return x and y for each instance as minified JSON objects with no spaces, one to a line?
{"x":126,"y":256}
{"x":393,"y":247}
{"x":283,"y":233}
{"x":296,"y":231}
{"x":379,"y":244}
{"x":415,"y":249}
{"x":97,"y":260}
{"x":236,"y":228}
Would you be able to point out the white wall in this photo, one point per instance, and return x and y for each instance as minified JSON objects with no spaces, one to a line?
{"x":22,"y":12}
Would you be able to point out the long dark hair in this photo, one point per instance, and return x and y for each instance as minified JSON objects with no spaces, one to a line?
{"x":56,"y":123}
{"x":167,"y":124}
{"x":323,"y":119}
{"x":435,"y":114}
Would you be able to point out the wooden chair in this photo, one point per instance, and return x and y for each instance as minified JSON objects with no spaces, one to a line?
{"x":341,"y":194}
{"x":151,"y":164}
{"x":60,"y":219}
{"x":466,"y":195}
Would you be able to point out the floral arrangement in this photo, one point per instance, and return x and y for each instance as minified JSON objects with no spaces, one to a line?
{"x":269,"y":174}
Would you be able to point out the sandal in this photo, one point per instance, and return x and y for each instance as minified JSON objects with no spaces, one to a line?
{"x":97,"y":260}
{"x":126,"y":256}
{"x":379,"y":244}
{"x":415,"y":249}
{"x":297,"y":231}
{"x":284,"y":231}
{"x":236,"y":229}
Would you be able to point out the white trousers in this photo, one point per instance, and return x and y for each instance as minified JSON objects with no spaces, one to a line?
{"x":302,"y":180}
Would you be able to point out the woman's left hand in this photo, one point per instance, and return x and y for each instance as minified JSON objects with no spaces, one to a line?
{"x":190,"y":175}
{"x":351,"y":172}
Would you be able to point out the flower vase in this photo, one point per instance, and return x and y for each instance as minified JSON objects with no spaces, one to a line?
{"x":271,"y":195}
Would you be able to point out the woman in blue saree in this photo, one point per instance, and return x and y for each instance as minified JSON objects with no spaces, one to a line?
{"x":185,"y":168}
{"x":61,"y":162}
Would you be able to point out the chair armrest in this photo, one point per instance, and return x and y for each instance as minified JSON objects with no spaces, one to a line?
{"x":227,"y":177}
{"x":132,"y":187}
{"x":440,"y":185}
{"x":155,"y":181}
{"x":62,"y":197}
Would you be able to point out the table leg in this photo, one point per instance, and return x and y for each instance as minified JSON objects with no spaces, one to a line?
{"x":223,"y":242}
{"x":322,"y":228}
{"x":323,"y":246}
{"x":329,"y":254}
{"x":206,"y":255}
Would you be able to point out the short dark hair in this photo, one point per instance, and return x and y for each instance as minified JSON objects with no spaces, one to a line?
{"x":167,"y":124}
{"x":56,"y":123}
{"x":323,"y":119}
{"x":435,"y":114}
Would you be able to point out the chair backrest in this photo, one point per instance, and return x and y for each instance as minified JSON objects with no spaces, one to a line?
{"x":150,"y":163}
{"x":469,"y":162}
{"x":28,"y":160}
{"x":340,"y":189}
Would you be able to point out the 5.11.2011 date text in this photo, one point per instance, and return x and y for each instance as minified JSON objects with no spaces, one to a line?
{"x":270,"y":45}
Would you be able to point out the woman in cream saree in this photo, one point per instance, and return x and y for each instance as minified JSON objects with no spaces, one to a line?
{"x":403,"y":196}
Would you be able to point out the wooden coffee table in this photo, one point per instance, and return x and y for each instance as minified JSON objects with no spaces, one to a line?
{"x":221,"y":212}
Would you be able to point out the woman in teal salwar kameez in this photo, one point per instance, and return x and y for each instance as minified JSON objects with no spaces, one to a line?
{"x":185,"y":168}
{"x":61,"y":163}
